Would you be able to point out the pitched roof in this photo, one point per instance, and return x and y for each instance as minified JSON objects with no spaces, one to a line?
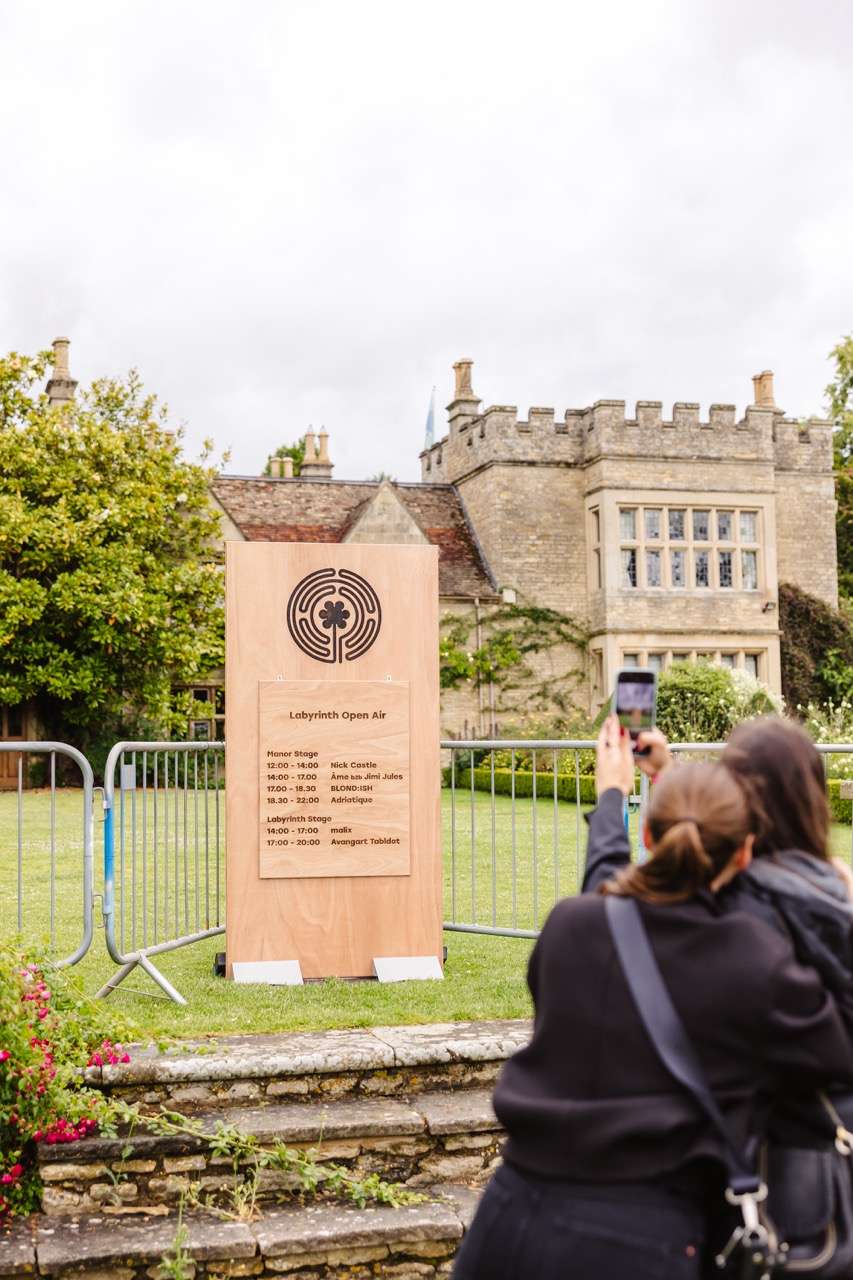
{"x":267,"y":510}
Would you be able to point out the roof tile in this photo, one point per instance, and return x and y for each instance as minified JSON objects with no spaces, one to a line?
{"x":267,"y":510}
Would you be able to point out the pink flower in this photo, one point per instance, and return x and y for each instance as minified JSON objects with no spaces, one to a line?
{"x":125,"y":1057}
{"x":6,"y":1179}
{"x":5,"y":1055}
{"x":16,"y":1170}
{"x":96,"y":1060}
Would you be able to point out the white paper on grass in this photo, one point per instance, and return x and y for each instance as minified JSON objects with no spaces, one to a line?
{"x":275,"y":973}
{"x":407,"y":968}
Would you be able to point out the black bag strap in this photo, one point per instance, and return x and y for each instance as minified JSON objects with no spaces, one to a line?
{"x":666,"y":1030}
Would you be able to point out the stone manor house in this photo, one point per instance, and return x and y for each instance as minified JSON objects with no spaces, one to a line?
{"x":666,"y":538}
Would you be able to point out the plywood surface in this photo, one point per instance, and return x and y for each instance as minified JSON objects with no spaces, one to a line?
{"x":332,"y":924}
{"x":333,"y":763}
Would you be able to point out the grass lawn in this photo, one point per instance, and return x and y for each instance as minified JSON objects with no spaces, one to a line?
{"x":484,"y":976}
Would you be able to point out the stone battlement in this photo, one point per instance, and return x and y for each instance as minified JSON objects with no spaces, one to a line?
{"x":763,"y":434}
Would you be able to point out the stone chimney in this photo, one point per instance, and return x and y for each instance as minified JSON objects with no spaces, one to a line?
{"x":275,"y":467}
{"x":763,"y":393}
{"x":316,"y":465}
{"x":464,"y":406}
{"x":287,"y":463}
{"x":61,"y":386}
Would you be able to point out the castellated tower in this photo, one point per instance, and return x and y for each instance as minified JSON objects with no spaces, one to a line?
{"x":667,"y":537}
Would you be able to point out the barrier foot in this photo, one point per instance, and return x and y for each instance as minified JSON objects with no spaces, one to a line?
{"x":152,"y":971}
{"x":161,"y":981}
{"x":118,"y":976}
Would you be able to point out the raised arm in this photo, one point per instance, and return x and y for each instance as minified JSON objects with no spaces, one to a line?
{"x":608,"y":847}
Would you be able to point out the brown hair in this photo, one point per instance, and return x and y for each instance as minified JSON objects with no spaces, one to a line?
{"x":777,"y":762}
{"x":698,"y":817}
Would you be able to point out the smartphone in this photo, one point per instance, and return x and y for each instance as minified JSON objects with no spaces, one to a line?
{"x":635,"y":699}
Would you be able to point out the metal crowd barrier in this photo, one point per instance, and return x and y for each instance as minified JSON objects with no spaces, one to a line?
{"x":506,"y":864}
{"x":37,"y":829}
{"x":164,"y":842}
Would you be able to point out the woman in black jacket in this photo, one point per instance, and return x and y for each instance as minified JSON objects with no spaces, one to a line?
{"x":609,"y":1168}
{"x":793,"y":883}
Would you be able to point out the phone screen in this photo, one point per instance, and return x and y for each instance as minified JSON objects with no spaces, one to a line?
{"x":634,"y":700}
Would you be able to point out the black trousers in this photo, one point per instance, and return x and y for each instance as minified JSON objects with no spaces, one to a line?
{"x":530,"y":1228}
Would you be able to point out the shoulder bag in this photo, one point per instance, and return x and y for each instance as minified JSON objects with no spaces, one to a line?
{"x":797,"y":1208}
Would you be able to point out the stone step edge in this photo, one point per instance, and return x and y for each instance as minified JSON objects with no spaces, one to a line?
{"x":437,"y":1114}
{"x":300,"y":1053}
{"x":454,"y":1138}
{"x":282,"y":1240}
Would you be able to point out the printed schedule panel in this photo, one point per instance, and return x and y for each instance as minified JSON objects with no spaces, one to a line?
{"x":334,"y":767}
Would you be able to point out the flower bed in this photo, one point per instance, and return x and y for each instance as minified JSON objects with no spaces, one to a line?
{"x":50,"y":1033}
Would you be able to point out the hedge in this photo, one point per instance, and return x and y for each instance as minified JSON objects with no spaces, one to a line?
{"x":841,"y":810}
{"x":566,"y":785}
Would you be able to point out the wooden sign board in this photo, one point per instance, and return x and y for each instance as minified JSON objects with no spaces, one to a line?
{"x":332,"y":688}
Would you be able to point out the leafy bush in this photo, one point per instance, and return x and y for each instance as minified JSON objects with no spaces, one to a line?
{"x":753,"y":697}
{"x":841,"y":809}
{"x":697,"y":702}
{"x":816,"y":648}
{"x":48,"y":1033}
{"x":832,"y":722}
{"x":575,"y":728}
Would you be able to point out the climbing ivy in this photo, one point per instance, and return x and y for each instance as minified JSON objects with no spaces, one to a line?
{"x":512,"y":638}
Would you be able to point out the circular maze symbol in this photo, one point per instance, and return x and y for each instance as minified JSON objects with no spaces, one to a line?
{"x":334,"y":615}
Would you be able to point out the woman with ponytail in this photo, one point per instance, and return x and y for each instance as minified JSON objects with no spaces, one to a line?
{"x":610,"y":1170}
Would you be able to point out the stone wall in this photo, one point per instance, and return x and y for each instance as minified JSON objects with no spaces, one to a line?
{"x":805,"y":533}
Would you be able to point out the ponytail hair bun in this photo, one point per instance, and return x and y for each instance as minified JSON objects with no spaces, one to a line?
{"x":699,"y":816}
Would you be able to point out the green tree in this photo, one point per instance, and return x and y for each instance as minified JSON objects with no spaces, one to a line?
{"x":110,"y":573}
{"x":296,"y":451}
{"x":840,"y":392}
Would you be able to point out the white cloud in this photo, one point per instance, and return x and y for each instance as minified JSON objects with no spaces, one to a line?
{"x":302,"y":213}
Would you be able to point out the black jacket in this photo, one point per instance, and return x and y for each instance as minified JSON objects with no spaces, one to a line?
{"x":588,"y":1098}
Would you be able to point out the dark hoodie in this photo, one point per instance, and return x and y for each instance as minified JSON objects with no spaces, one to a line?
{"x":809,"y":901}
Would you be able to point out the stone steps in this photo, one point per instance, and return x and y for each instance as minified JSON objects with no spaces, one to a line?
{"x":317,"y":1242}
{"x":412,"y":1104}
{"x":426,"y":1139}
{"x":367,"y":1062}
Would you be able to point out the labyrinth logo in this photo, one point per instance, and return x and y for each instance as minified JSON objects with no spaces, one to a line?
{"x":334,"y":615}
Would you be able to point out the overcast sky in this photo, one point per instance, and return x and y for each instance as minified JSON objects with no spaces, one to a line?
{"x":286,"y":213}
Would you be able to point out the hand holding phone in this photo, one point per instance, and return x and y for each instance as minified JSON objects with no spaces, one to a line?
{"x":635,"y":701}
{"x":653,"y":754}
